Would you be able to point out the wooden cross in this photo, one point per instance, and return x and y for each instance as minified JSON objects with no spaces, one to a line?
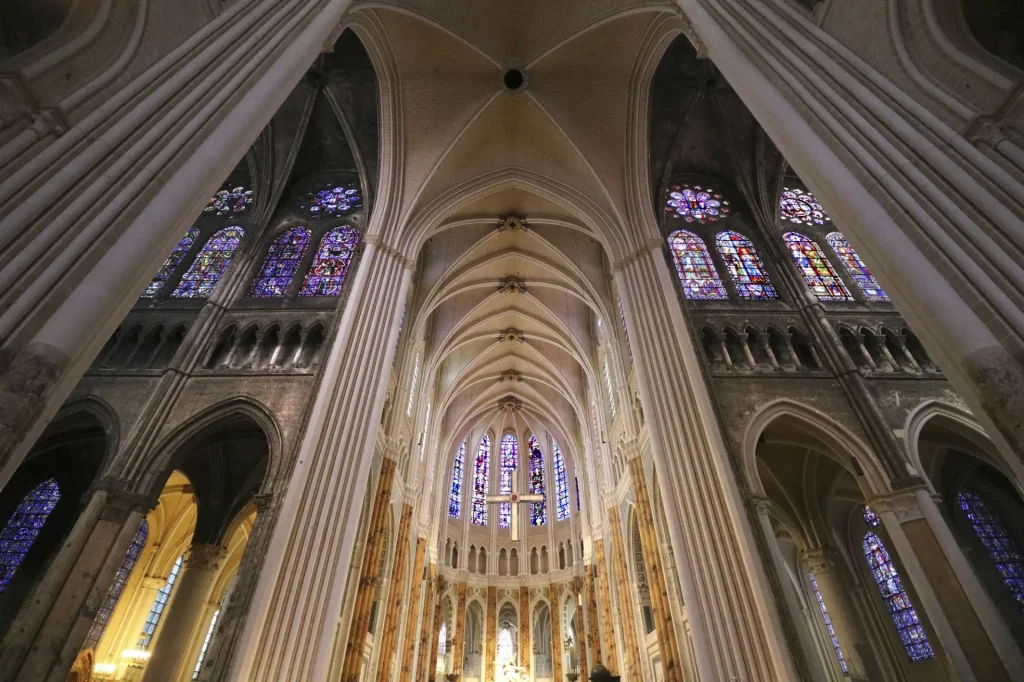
{"x":515,"y":499}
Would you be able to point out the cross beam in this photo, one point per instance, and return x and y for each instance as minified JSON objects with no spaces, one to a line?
{"x":515,"y":499}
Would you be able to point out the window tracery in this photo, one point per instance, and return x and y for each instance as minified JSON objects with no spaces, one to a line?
{"x":696,"y":272}
{"x":538,"y":510}
{"x":228,"y":201}
{"x":331,"y":263}
{"x":280,"y":265}
{"x":22,"y":529}
{"x":817,"y":271}
{"x":332,"y":201}
{"x":855,"y":266}
{"x":202,"y":276}
{"x":483,"y":460}
{"x":171,"y":264}
{"x":995,"y":536}
{"x":801,"y":208}
{"x":455,"y":498}
{"x":745,"y":266}
{"x":696,"y":204}
{"x":897,"y":601}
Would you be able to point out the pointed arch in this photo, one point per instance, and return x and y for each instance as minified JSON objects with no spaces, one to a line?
{"x":331,"y":263}
{"x":279,"y":266}
{"x":509,"y":465}
{"x":744,"y":266}
{"x":480,"y":480}
{"x":171,"y":264}
{"x":561,"y":483}
{"x":697,"y":273}
{"x":206,"y":270}
{"x":897,"y":601}
{"x":538,"y":510}
{"x":822,"y":279}
{"x":855,"y":266}
{"x":22,"y":529}
{"x":455,"y":497}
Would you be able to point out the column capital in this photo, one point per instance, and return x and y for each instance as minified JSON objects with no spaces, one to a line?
{"x":903,"y":503}
{"x":262,"y":501}
{"x":760,"y":503}
{"x":121,"y":500}
{"x":645,"y":248}
{"x":819,"y":560}
{"x":205,"y":557}
{"x":378,"y":243}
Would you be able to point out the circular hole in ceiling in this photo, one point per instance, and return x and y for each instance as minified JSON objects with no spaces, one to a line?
{"x":513,"y":79}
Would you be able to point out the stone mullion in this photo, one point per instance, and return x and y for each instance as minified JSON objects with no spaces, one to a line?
{"x":393,"y":614}
{"x":583,"y":628}
{"x":593,"y":641}
{"x":460,"y":629}
{"x":413,"y":613}
{"x":491,"y":634}
{"x":735,"y":624}
{"x":627,"y":611}
{"x":373,"y":555}
{"x":607,"y":631}
{"x":671,"y":661}
{"x":436,"y":585}
{"x":554,"y":590}
{"x":525,"y":626}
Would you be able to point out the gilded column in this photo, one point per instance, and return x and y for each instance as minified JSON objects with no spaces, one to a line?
{"x":413,"y":615}
{"x":607,"y":634}
{"x":554,"y":591}
{"x":583,"y":629}
{"x":525,"y":622}
{"x":373,"y":554}
{"x":590,"y":611}
{"x":670,"y":661}
{"x":393,"y":613}
{"x":460,"y":629}
{"x":625,"y":594}
{"x":429,"y":638}
{"x":491,"y":634}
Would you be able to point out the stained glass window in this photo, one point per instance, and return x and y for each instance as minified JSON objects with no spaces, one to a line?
{"x":227,"y":201}
{"x":870,"y":517}
{"x":117,"y":587}
{"x":172,"y":262}
{"x":206,"y":644}
{"x":561,"y":483}
{"x":579,"y":504}
{"x":909,"y":627}
{"x":855,"y":266}
{"x":800,"y":207}
{"x":442,"y":646}
{"x":159,"y":604}
{"x":818,"y":273}
{"x":331,"y":201}
{"x":608,"y":385}
{"x":509,"y":464}
{"x":993,"y":533}
{"x":745,"y":266}
{"x":538,"y":510}
{"x":412,"y":386}
{"x":483,"y":462}
{"x":828,"y":624}
{"x":331,"y":262}
{"x":695,"y":204}
{"x":696,"y":272}
{"x":22,"y":529}
{"x":204,"y":273}
{"x":455,"y":498}
{"x":506,"y":646}
{"x":280,"y":264}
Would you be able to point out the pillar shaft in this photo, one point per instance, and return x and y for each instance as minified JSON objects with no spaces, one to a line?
{"x":491,"y":634}
{"x":460,"y":629}
{"x":393,"y":613}
{"x":624,"y":592}
{"x":430,"y":641}
{"x":525,"y":626}
{"x":607,"y":635}
{"x":593,"y":641}
{"x":821,"y":563}
{"x":554,"y":591}
{"x":583,"y":628}
{"x":412,"y":617}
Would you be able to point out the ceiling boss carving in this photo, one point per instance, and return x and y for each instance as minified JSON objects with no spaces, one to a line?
{"x":510,"y":375}
{"x":510,"y":403}
{"x":511,"y":334}
{"x":512,"y":285}
{"x":512,"y":223}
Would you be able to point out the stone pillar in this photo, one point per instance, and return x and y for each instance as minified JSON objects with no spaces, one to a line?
{"x":624,"y":592}
{"x":664,"y":623}
{"x":191,"y":591}
{"x":525,"y":626}
{"x":554,"y":591}
{"x":607,"y":633}
{"x":45,"y":638}
{"x":290,"y":632}
{"x":373,"y":556}
{"x":966,"y":621}
{"x":491,"y":634}
{"x":583,"y":628}
{"x":393,"y":613}
{"x":459,"y":654}
{"x":412,"y":616}
{"x":822,"y":563}
{"x":593,"y":641}
{"x":429,"y":638}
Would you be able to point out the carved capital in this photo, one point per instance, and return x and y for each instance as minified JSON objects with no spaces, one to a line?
{"x":512,"y":285}
{"x":902,"y":503}
{"x":206,"y":557}
{"x":511,"y":334}
{"x":512,"y":223}
{"x":761,"y":504}
{"x":262,"y":501}
{"x":820,"y":560}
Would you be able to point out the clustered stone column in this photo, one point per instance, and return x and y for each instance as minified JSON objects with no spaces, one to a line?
{"x":460,"y":628}
{"x":822,"y":563}
{"x":430,"y":641}
{"x":393,"y":613}
{"x":607,"y":634}
{"x":583,"y":628}
{"x":525,"y":624}
{"x":412,"y":617}
{"x":373,"y":555}
{"x":625,"y":598}
{"x":554,"y":590}
{"x":670,"y":660}
{"x":491,"y":633}
{"x":590,"y":611}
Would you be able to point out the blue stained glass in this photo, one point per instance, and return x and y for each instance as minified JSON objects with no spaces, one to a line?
{"x":331,"y":263}
{"x":480,"y":476}
{"x":280,"y":264}
{"x":696,"y":204}
{"x":227,"y":201}
{"x":855,"y":266}
{"x":828,"y":624}
{"x":561,"y":483}
{"x":332,"y":201}
{"x":579,"y":504}
{"x":993,"y":533}
{"x":202,"y":276}
{"x":22,"y":529}
{"x":745,"y":266}
{"x":818,"y":273}
{"x":106,"y":609}
{"x":455,"y":498}
{"x":870,"y":517}
{"x":538,"y":510}
{"x":171,"y":264}
{"x":696,"y":272}
{"x":509,"y":464}
{"x":909,"y":627}
{"x":159,"y":604}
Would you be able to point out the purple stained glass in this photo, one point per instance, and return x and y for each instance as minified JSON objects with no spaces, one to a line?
{"x":480,"y":478}
{"x":171,"y":264}
{"x":579,"y":503}
{"x":106,"y":609}
{"x":818,"y":273}
{"x":332,"y":201}
{"x":870,"y":517}
{"x":993,"y":533}
{"x":561,"y":483}
{"x":22,"y":529}
{"x":538,"y":510}
{"x":696,"y":272}
{"x":828,"y":624}
{"x":800,"y":207}
{"x":695,"y":204}
{"x":280,"y":264}
{"x":855,"y":266}
{"x":227,"y":201}
{"x":897,"y":601}
{"x":202,"y":276}
{"x":331,"y":263}
{"x":744,"y":266}
{"x":455,"y":498}
{"x":509,"y":464}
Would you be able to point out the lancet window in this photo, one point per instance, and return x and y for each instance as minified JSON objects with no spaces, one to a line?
{"x":744,"y":266}
{"x":455,"y":498}
{"x":828,"y":624}
{"x":22,"y":529}
{"x":579,"y":504}
{"x":818,"y":273}
{"x":561,"y":483}
{"x":206,"y":644}
{"x":538,"y":510}
{"x":897,"y":601}
{"x":331,"y":263}
{"x":609,"y":386}
{"x":106,"y":609}
{"x":483,"y":461}
{"x":281,"y":263}
{"x":171,"y":264}
{"x":202,"y":276}
{"x":993,"y":533}
{"x":159,"y":604}
{"x":696,"y":272}
{"x":855,"y":266}
{"x":509,"y":464}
